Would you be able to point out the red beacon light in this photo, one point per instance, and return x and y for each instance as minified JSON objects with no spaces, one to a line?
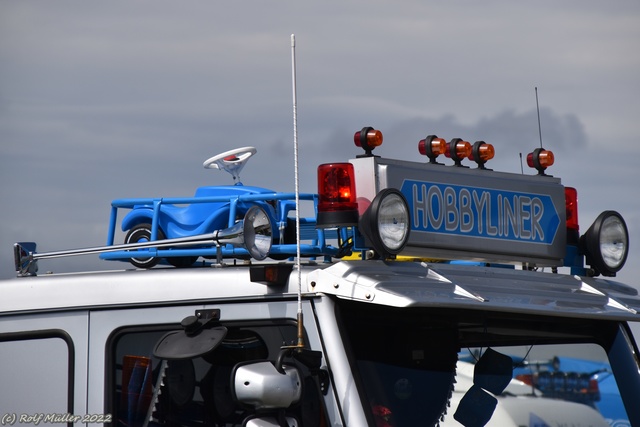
{"x":481,"y":153}
{"x":458,"y":150}
{"x":368,"y":139}
{"x":432,"y":147}
{"x":337,"y":205}
{"x":540,"y":159}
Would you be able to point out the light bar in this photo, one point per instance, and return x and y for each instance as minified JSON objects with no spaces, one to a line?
{"x":471,"y":213}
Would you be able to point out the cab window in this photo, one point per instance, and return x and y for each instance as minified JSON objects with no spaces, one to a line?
{"x":36,"y":373}
{"x":195,"y":391}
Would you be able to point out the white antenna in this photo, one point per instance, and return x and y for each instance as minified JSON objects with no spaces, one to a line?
{"x":300,"y":343}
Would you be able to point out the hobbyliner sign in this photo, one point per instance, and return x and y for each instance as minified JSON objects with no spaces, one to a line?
{"x":471,"y":213}
{"x":481,"y":212}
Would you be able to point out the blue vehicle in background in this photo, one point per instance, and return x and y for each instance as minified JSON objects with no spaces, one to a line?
{"x":563,"y":378}
{"x":578,"y":380}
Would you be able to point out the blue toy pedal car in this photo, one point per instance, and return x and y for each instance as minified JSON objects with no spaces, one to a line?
{"x":214,"y":208}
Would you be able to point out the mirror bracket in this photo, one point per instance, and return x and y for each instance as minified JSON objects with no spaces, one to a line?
{"x":208,"y":314}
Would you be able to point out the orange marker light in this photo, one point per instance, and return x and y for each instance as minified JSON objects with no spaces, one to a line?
{"x":486,"y":152}
{"x":540,"y":159}
{"x":432,"y":147}
{"x":481,"y":153}
{"x":458,"y":150}
{"x":368,"y":139}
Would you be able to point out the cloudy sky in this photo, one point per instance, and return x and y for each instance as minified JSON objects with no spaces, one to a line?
{"x":105,"y":100}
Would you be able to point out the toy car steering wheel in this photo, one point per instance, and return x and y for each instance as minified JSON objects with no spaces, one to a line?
{"x":231,"y":161}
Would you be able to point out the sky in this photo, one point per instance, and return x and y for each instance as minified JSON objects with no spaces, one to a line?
{"x":118,"y":99}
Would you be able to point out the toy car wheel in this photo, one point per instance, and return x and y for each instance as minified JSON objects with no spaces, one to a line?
{"x":182,"y":261}
{"x":142,"y":233}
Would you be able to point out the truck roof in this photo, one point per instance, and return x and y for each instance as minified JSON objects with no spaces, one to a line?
{"x":395,"y":284}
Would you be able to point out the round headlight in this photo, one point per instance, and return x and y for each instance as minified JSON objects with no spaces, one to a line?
{"x":606,"y":243}
{"x":386,"y":222}
{"x":257,"y":232}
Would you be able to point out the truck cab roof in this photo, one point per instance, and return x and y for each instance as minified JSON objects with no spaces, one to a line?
{"x":396,"y":284}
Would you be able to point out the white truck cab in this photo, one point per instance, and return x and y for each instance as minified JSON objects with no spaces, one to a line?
{"x":444,"y":304}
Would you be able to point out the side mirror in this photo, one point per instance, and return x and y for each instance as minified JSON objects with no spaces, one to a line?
{"x":260,"y":385}
{"x":23,"y":259}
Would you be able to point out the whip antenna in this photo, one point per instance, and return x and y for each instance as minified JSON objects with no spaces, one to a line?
{"x":521,"y":167}
{"x":538,"y":110}
{"x":297,"y":185}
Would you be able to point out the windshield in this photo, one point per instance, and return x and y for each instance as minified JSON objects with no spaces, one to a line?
{"x":422,"y":367}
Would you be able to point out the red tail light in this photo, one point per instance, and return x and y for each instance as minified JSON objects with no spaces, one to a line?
{"x":337,"y":205}
{"x":571,"y":203}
